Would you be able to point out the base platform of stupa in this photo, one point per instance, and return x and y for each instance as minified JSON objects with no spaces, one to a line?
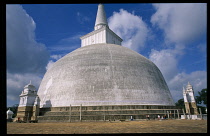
{"x":106,"y":113}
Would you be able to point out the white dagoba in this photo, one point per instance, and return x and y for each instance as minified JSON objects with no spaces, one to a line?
{"x":103,"y":73}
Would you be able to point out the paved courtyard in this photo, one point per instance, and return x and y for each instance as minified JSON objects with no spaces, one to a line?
{"x":151,"y":126}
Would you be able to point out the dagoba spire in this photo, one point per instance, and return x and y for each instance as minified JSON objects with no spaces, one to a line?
{"x":101,"y":33}
{"x":100,"y":18}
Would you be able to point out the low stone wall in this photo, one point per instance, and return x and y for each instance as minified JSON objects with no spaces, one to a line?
{"x":102,"y":113}
{"x":108,"y":107}
{"x":194,"y":117}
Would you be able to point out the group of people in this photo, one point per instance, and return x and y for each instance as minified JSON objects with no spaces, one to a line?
{"x":148,"y":117}
{"x":163,"y":117}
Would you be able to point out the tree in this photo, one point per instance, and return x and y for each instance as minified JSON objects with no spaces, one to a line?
{"x":180,"y":103}
{"x":202,"y":98}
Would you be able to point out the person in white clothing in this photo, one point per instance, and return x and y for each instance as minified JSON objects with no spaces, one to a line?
{"x":158,"y":117}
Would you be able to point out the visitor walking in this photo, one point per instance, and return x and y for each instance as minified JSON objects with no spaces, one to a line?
{"x":164,"y":116}
{"x":148,"y":117}
{"x":131,"y":118}
{"x":158,"y":117}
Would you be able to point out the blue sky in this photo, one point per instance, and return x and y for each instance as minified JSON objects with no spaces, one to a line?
{"x":173,"y":36}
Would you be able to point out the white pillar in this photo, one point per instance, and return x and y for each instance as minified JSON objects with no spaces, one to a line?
{"x":189,"y":115}
{"x":178,"y":113}
{"x":200,"y":113}
{"x":28,"y":117}
{"x":70,"y":113}
{"x":168,"y":114}
{"x":174,"y":114}
{"x":104,"y":114}
{"x":80,"y":116}
{"x":184,"y":113}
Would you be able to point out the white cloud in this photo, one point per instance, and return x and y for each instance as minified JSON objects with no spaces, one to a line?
{"x":56,"y":57}
{"x":24,"y":54}
{"x":63,"y":48}
{"x":197,"y":79}
{"x":26,"y":59}
{"x":50,"y":64}
{"x":166,"y":61}
{"x":82,"y":18}
{"x":131,"y":28}
{"x":182,"y":22}
{"x":71,"y":38}
{"x":66,"y":45}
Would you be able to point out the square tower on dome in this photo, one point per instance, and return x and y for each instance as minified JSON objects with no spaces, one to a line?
{"x":101,"y":33}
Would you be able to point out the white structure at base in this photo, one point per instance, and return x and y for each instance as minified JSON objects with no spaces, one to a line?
{"x":28,"y":95}
{"x":37,"y":101}
{"x":9,"y":114}
{"x":189,"y":100}
{"x":193,"y":117}
{"x":101,"y":33}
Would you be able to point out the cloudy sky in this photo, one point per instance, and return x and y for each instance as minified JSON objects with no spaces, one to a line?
{"x":173,"y":36}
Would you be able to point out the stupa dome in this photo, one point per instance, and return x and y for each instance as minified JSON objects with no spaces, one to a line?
{"x":103,"y":74}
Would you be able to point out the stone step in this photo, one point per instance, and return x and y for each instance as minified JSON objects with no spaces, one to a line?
{"x":61,"y":114}
{"x":49,"y":113}
{"x":86,"y":117}
{"x":110,"y":107}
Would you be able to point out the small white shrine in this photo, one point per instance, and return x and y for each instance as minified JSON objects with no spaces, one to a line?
{"x":9,"y":114}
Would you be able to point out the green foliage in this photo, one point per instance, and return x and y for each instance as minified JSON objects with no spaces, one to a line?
{"x":203,"y":109}
{"x":180,"y":104}
{"x":202,"y":98}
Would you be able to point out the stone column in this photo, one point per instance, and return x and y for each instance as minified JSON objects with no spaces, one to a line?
{"x":168,"y":114}
{"x":174,"y":114}
{"x":184,"y":113}
{"x":80,"y":115}
{"x":200,"y":113}
{"x":178,"y":113}
{"x":70,"y":113}
{"x":104,"y":113}
{"x":35,"y":112}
